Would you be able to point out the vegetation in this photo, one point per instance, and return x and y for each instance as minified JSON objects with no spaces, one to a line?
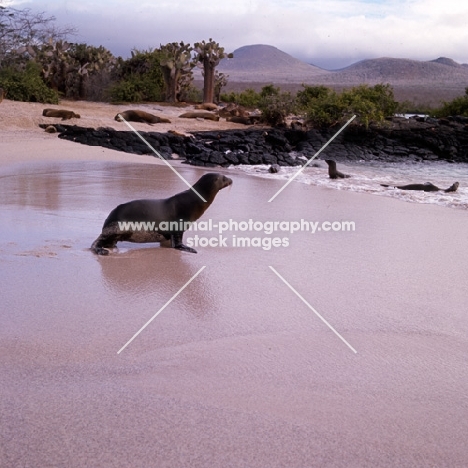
{"x":324,"y":107}
{"x":319,"y":105}
{"x":26,"y":85}
{"x":248,"y":98}
{"x":275,"y":105}
{"x":138,"y":78}
{"x":207,"y":56}
{"x":176,"y":66}
{"x":39,"y":63}
{"x":81,"y":71}
{"x":458,"y":106}
{"x":20,"y":29}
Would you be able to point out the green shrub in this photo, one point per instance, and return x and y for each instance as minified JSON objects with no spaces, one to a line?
{"x":321,"y":106}
{"x":458,"y":106}
{"x":370,"y":103}
{"x":139,"y":78}
{"x":26,"y":85}
{"x":247,"y":98}
{"x":324,"y":107}
{"x":276,"y":107}
{"x":135,"y":89}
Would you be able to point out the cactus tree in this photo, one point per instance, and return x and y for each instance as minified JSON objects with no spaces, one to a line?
{"x":208,"y":55}
{"x":176,"y":66}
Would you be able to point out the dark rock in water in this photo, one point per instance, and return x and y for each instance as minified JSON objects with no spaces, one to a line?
{"x":397,"y":140}
{"x":274,"y":168}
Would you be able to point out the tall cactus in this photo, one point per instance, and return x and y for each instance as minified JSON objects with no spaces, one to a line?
{"x":208,"y":55}
{"x":220,"y":81}
{"x":176,"y":66}
{"x":66,"y":67}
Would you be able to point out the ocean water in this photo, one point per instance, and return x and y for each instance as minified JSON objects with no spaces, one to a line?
{"x":367,"y":176}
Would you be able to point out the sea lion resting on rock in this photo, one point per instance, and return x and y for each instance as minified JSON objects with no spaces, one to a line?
{"x":200,"y":115}
{"x":332,"y":172}
{"x":64,"y":114}
{"x":180,"y":209}
{"x":135,"y":115}
{"x":427,"y":187}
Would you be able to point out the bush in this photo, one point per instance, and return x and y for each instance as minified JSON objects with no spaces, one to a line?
{"x":324,"y":107}
{"x":458,"y":106}
{"x":248,"y":98}
{"x":370,"y":103}
{"x":320,"y":105}
{"x":139,"y":78}
{"x":26,"y":85}
{"x":135,"y":89}
{"x":276,"y":107}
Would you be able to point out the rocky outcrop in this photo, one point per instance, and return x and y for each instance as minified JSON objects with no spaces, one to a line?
{"x":401,"y":139}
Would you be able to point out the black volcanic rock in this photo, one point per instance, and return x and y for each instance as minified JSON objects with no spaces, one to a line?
{"x":398,"y":140}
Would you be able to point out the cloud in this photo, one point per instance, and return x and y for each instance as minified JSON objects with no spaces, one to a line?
{"x":336,"y":31}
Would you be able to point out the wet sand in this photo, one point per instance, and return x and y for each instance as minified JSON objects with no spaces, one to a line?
{"x":237,"y":371}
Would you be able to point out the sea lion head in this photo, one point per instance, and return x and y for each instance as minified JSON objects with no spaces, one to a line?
{"x":208,"y":185}
{"x":215,"y":180}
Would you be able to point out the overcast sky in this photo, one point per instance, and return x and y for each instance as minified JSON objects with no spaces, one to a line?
{"x":328,"y":33}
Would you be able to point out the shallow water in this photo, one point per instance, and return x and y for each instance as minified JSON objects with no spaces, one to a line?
{"x":237,"y":370}
{"x":366,"y":177}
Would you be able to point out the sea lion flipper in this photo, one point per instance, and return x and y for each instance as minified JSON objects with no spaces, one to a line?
{"x":176,"y":240}
{"x":185,"y":248}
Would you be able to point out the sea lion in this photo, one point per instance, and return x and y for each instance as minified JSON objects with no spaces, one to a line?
{"x":427,"y":187}
{"x":200,"y":115}
{"x":208,"y":106}
{"x":64,"y":114}
{"x":180,"y":209}
{"x":135,"y":115}
{"x":232,"y":109}
{"x":332,"y":172}
{"x":241,"y":120}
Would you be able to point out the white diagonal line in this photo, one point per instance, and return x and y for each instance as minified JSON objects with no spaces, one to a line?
{"x":311,"y":159}
{"x":159,"y":155}
{"x":313,"y":310}
{"x":161,"y":309}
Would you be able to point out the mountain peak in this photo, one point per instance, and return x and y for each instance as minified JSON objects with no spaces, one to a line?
{"x":446,"y":61}
{"x":261,"y":62}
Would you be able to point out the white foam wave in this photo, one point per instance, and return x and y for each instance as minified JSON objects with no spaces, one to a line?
{"x":367,"y":176}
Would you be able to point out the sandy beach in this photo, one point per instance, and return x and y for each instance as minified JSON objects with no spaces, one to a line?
{"x":238,"y":370}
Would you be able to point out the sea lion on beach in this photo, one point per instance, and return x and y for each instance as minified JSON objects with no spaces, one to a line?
{"x":332,"y":172}
{"x":64,"y":114}
{"x":208,"y":106}
{"x":135,"y":115}
{"x":427,"y":187}
{"x":200,"y":115}
{"x":179,"y":209}
{"x":242,"y":120}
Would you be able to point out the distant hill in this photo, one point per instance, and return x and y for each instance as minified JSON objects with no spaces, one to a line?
{"x":396,"y":71}
{"x":265,"y":63}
